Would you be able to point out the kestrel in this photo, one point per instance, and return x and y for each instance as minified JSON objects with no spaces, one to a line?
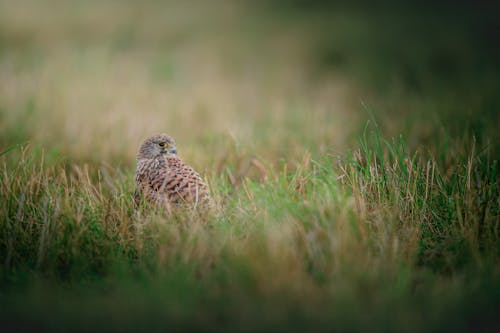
{"x":163,"y":178}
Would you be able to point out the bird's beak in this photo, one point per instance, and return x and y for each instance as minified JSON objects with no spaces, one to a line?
{"x":173,"y":151}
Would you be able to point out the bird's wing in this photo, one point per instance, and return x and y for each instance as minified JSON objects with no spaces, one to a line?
{"x":185,"y":185}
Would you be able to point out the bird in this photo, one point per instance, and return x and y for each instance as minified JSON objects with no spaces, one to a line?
{"x":163,"y":178}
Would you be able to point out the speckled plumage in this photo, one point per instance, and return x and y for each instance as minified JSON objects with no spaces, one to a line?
{"x":162,"y":177}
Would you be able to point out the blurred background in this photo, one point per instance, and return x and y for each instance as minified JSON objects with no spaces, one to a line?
{"x":91,"y":79}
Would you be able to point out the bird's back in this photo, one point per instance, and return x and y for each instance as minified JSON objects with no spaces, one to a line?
{"x":171,"y":181}
{"x":185,"y":185}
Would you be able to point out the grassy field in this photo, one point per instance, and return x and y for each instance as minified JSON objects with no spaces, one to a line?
{"x":351,"y":150}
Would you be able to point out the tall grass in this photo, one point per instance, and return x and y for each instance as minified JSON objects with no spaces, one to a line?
{"x":315,"y":236}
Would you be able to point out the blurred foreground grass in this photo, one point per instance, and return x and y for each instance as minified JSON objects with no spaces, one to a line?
{"x":323,"y":222}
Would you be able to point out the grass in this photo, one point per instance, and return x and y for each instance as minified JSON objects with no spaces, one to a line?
{"x":331,"y":214}
{"x":377,"y":231}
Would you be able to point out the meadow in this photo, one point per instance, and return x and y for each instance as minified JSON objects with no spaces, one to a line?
{"x":351,"y":151}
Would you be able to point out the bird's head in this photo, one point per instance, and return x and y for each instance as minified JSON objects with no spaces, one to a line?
{"x":160,"y":145}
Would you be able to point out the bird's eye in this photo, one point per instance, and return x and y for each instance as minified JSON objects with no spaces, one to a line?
{"x":162,"y":144}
